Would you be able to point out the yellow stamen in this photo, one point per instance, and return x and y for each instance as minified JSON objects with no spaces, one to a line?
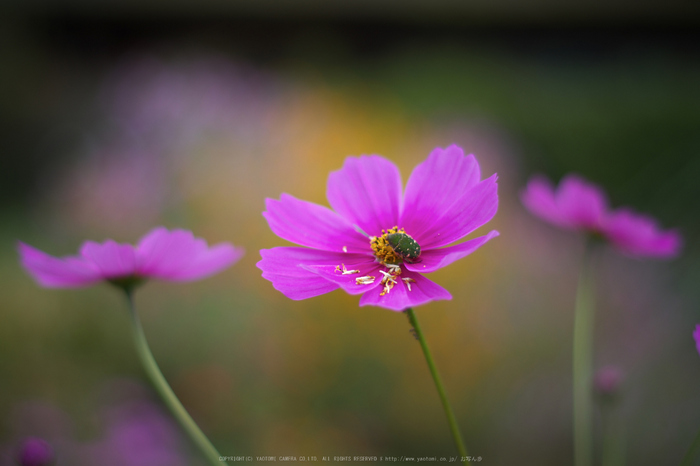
{"x":387,"y":276}
{"x":408,"y":281}
{"x":389,"y":279}
{"x":366,"y":280}
{"x":387,"y":287}
{"x":345,"y":271}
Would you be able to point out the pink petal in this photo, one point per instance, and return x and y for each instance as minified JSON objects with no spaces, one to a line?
{"x":52,"y":272}
{"x":312,"y":225}
{"x":539,"y":198}
{"x":283,"y":266}
{"x":435,"y":185}
{"x":576,"y":204}
{"x":367,"y":192}
{"x":165,"y":254}
{"x":400,"y":298}
{"x":112,"y":259}
{"x":208,"y":262}
{"x":473,"y":209}
{"x":348,"y":282}
{"x":696,"y":336}
{"x":639,"y":235}
{"x":149,"y":241}
{"x":581,"y":204}
{"x":434,"y":259}
{"x":178,"y":256}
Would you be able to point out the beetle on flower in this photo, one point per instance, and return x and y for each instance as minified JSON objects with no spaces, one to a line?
{"x":389,"y":238}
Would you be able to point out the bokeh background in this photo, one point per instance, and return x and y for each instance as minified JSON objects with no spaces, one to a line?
{"x":116,"y":117}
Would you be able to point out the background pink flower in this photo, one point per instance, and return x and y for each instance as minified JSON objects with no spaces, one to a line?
{"x":580,"y":205}
{"x":35,"y":451}
{"x":167,"y":255}
{"x":131,"y":429}
{"x":607,"y":381}
{"x":444,"y":201}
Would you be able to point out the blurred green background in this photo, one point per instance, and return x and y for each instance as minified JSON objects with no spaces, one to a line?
{"x":115,"y":118}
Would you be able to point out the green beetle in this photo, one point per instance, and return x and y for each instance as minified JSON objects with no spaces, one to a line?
{"x":405,"y":247}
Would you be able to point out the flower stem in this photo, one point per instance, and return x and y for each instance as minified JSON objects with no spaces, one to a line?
{"x":582,"y":363}
{"x":692,"y":451}
{"x":613,"y":453}
{"x":454,"y":428}
{"x":166,"y":393}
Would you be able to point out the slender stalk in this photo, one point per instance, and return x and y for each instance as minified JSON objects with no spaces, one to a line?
{"x":454,"y":428}
{"x":692,"y":451}
{"x":583,"y":363}
{"x":613,"y":436}
{"x":166,"y":393}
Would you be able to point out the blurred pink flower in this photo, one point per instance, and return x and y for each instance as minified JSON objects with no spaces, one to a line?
{"x":132,"y":430}
{"x":138,"y":433}
{"x":579,"y":205}
{"x":171,"y":103}
{"x":155,"y":114}
{"x":696,"y":336}
{"x":136,"y":430}
{"x":37,"y":433}
{"x":167,"y":255}
{"x":378,"y":242}
{"x":115,"y":189}
{"x":35,"y":452}
{"x":607,"y":381}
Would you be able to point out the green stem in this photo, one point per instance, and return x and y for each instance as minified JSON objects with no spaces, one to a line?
{"x":166,"y":393}
{"x":454,"y":428}
{"x":692,"y":451}
{"x":583,"y":364}
{"x":613,"y":435}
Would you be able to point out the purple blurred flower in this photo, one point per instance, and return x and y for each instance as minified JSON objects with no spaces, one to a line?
{"x":168,"y":255}
{"x":113,"y":188}
{"x":607,"y":381}
{"x":696,"y":336}
{"x":155,"y":115}
{"x":35,"y":452}
{"x":173,"y":103}
{"x":352,"y":247}
{"x":579,"y":205}
{"x":139,"y":434}
{"x":37,"y":431}
{"x":133,"y":431}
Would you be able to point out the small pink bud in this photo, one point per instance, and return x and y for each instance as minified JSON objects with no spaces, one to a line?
{"x":607,"y":381}
{"x":35,"y":452}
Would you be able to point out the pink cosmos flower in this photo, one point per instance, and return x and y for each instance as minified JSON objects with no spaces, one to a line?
{"x":167,"y":255}
{"x":696,"y":336}
{"x":376,"y":241}
{"x":579,"y":205}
